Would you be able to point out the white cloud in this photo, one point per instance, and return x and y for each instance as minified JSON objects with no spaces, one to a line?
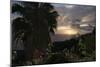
{"x":84,"y":25}
{"x":88,"y":18}
{"x":69,"y":6}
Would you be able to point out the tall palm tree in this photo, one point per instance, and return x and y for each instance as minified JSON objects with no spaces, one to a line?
{"x":38,"y":20}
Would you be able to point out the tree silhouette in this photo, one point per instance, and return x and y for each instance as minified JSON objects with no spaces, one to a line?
{"x":38,"y":19}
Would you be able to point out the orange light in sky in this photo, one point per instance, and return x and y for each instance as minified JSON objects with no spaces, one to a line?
{"x":67,"y":30}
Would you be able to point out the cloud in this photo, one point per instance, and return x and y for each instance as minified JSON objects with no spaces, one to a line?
{"x":77,"y":12}
{"x":81,"y":17}
{"x":84,"y":25}
{"x":69,"y":6}
{"x":89,"y":17}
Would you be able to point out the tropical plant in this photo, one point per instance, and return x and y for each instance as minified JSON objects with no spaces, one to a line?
{"x":37,"y":21}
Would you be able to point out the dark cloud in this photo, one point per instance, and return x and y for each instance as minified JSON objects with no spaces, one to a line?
{"x":78,"y":16}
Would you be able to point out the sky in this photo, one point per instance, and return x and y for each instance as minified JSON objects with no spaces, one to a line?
{"x":74,"y":20}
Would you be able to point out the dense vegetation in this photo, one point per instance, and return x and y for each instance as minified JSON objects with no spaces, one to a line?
{"x":78,"y":49}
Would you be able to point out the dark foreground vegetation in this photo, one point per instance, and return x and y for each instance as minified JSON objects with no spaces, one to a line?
{"x":80,"y":49}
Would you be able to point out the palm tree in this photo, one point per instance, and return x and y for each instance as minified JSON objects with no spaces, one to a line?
{"x":38,"y":20}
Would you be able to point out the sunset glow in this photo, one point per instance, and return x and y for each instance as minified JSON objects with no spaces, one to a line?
{"x":67,"y":30}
